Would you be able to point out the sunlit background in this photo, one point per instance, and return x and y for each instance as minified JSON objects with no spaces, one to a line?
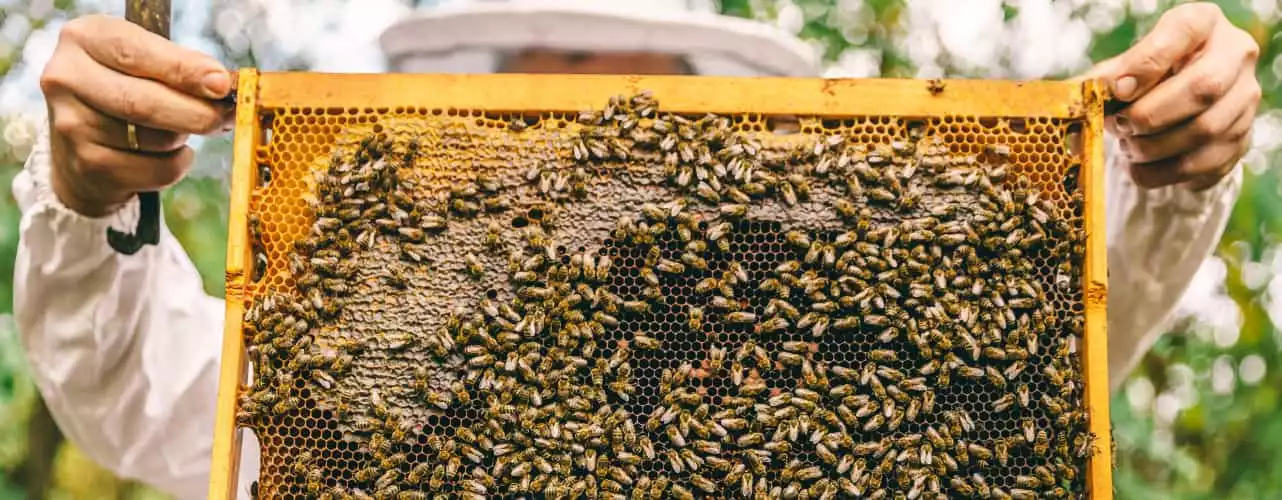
{"x":1199,"y":419}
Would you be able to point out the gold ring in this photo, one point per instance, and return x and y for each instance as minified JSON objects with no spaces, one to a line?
{"x":132,"y":132}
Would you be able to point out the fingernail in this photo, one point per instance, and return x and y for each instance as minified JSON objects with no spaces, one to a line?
{"x":216,"y":84}
{"x":1124,"y":87}
{"x":1123,"y":126}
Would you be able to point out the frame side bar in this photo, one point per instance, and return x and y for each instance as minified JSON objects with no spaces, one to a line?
{"x":225,"y":465}
{"x":686,"y":94}
{"x":1095,"y":336}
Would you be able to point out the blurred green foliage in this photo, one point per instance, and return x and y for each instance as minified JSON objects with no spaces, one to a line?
{"x":1223,"y":442}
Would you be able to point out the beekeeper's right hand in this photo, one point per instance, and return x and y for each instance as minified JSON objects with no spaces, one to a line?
{"x":107,"y":73}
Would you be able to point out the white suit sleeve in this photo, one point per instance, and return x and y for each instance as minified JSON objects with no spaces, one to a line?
{"x":124,"y":349}
{"x":1157,"y":239}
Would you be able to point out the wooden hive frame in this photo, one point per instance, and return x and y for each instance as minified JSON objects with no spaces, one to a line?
{"x":261,"y":94}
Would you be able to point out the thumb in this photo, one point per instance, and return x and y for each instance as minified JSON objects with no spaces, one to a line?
{"x":1107,"y":71}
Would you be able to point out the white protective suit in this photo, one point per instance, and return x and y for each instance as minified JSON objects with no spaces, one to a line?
{"x":125,"y":349}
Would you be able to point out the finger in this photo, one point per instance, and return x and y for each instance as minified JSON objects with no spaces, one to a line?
{"x":87,"y":124}
{"x":1178,"y":34}
{"x":1209,"y":179}
{"x":128,"y":48}
{"x":1190,"y":92}
{"x":1214,"y":158}
{"x":129,"y":172}
{"x":1224,"y":118}
{"x":138,"y":101}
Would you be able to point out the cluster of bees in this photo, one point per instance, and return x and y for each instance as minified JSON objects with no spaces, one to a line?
{"x":918,"y":351}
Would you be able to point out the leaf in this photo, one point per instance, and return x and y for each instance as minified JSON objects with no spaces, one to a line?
{"x":1114,"y":42}
{"x":740,"y":8}
{"x":1009,"y":11}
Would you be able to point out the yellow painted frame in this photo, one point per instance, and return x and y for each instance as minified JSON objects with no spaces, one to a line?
{"x":262,"y":93}
{"x":225,"y":466}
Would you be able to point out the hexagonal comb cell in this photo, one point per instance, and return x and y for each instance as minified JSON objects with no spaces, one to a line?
{"x":631,"y":302}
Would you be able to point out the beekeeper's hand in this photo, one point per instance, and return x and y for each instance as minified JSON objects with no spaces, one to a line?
{"x":1193,"y":95}
{"x":106,"y":73}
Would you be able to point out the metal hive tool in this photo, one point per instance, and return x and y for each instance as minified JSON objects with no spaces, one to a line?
{"x":536,"y":286}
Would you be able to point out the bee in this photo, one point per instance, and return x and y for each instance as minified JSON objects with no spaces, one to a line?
{"x":646,"y":446}
{"x":961,"y":486}
{"x":603,"y":265}
{"x":1022,"y":494}
{"x":1014,"y":369}
{"x":772,"y":325}
{"x":437,"y":399}
{"x":707,"y":285}
{"x":419,"y":473}
{"x":517,"y":124}
{"x":873,"y":423}
{"x":695,"y":318}
{"x":1004,"y":403}
{"x":1001,"y":448}
{"x":678,"y":492}
{"x":733,"y":211}
{"x":789,"y":358}
{"x":1025,"y":396}
{"x":645,"y":342}
{"x":716,"y":357}
{"x":773,"y":285}
{"x":798,"y":239}
{"x":694,"y":261}
{"x":473,"y":265}
{"x":670,"y":267}
{"x":315,"y":480}
{"x":883,"y":355}
{"x":1029,"y":428}
{"x":461,"y":393}
{"x":435,"y":482}
{"x":658,"y":487}
{"x":970,"y":372}
{"x":1041,"y":445}
{"x":323,"y":379}
{"x":752,"y":387}
{"x":494,"y":236}
{"x":717,"y":233}
{"x":367,"y":474}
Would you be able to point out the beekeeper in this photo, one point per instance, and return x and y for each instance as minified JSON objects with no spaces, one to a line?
{"x":125,"y":349}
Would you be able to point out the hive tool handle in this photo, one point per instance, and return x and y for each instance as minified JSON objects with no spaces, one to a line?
{"x":152,"y":15}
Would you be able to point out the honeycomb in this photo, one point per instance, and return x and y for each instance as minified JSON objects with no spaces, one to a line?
{"x":634,"y":302}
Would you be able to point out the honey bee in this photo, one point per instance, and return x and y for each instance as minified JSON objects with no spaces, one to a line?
{"x":695,"y":318}
{"x":694,"y":261}
{"x":716,"y":358}
{"x":645,"y":342}
{"x":772,"y":325}
{"x":1029,"y":428}
{"x":789,"y":358}
{"x":1022,"y":494}
{"x":473,"y":265}
{"x":1041,"y":444}
{"x":670,"y":267}
{"x":315,"y":481}
{"x":883,"y":355}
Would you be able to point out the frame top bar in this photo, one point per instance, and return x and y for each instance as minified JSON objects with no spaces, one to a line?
{"x":685,"y":94}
